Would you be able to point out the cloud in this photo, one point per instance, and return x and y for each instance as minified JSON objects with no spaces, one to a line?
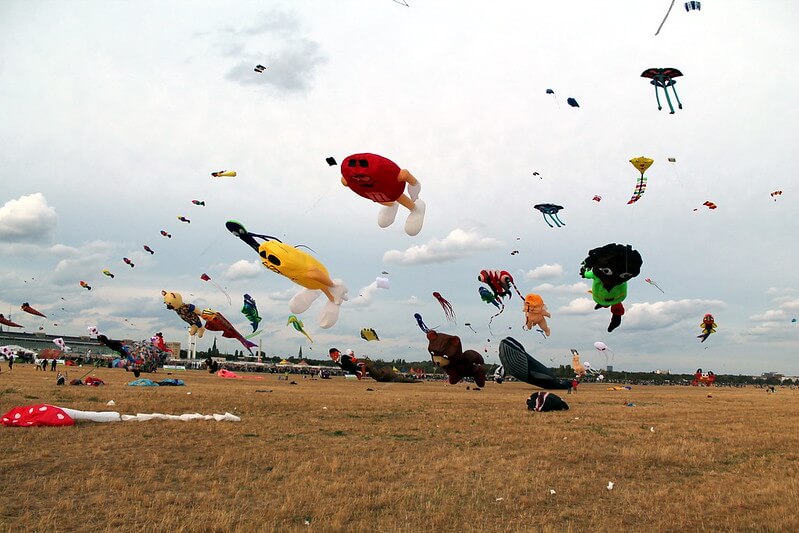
{"x":544,"y":272}
{"x":290,"y":67}
{"x":579,"y":306}
{"x":459,"y":243}
{"x":580,"y":286}
{"x":790,"y":305}
{"x":282,"y":296}
{"x":769,"y":316}
{"x":27,"y":218}
{"x":650,"y":316}
{"x":243,"y":270}
{"x":365,"y":296}
{"x":413,"y":300}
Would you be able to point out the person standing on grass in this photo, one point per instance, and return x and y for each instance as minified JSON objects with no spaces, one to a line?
{"x":52,"y":365}
{"x":10,"y":362}
{"x":574,"y":385}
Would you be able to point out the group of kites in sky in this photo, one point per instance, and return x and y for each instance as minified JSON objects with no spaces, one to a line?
{"x":381,"y":180}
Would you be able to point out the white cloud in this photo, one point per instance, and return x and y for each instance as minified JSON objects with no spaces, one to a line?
{"x":770,"y":315}
{"x":27,"y":218}
{"x":457,"y":244}
{"x":791,"y":305}
{"x":365,"y":296}
{"x":284,"y":295}
{"x":243,"y":270}
{"x":579,"y":306}
{"x":657,"y":315}
{"x":544,"y":272}
{"x":579,"y":286}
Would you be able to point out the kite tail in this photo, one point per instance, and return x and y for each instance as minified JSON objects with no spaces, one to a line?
{"x":664,"y":18}
{"x":501,"y":309}
{"x":558,"y":220}
{"x":547,"y":221}
{"x":517,"y":292}
{"x":657,"y":97}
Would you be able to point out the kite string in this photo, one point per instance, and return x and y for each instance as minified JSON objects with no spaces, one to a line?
{"x":664,"y":20}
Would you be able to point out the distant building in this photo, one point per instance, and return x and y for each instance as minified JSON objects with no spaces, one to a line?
{"x":175,"y":347}
{"x":666,"y":372}
{"x":610,"y":368}
{"x":768,"y":375}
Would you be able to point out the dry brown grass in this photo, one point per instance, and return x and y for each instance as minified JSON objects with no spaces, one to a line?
{"x":404,"y":457}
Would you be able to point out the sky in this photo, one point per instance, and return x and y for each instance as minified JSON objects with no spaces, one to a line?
{"x":114,"y":114}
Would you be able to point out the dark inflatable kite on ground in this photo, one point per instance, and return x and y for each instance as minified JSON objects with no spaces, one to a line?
{"x":546,"y":401}
{"x":523,"y":367}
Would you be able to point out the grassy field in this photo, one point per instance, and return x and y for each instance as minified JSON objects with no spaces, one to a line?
{"x":400,"y":457}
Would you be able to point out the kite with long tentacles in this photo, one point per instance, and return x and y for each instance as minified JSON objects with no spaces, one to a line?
{"x":500,"y":283}
{"x":642,"y":164}
{"x":301,"y":268}
{"x":603,"y":349}
{"x":550,"y":210}
{"x":489,"y":297}
{"x":250,"y":310}
{"x":206,"y":277}
{"x":448,"y":311}
{"x":663,"y":78}
{"x":30,"y":310}
{"x":419,"y":322}
{"x":298,"y":325}
{"x":652,"y":282}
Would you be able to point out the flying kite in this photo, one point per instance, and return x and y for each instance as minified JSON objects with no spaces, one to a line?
{"x":610,"y":267}
{"x":401,"y":2}
{"x":85,"y":285}
{"x":224,"y":174}
{"x":259,"y":68}
{"x":642,"y":164}
{"x":184,"y":219}
{"x":348,"y":362}
{"x":446,"y":306}
{"x":552,"y":211}
{"x":521,"y":365}
{"x":702,"y":378}
{"x":165,"y":234}
{"x":93,"y":330}
{"x":382,"y":283}
{"x":198,"y":202}
{"x":577,"y":366}
{"x":381,"y":180}
{"x":603,"y":349}
{"x":536,"y":314}
{"x":158,"y":341}
{"x":298,"y":325}
{"x":6,"y":322}
{"x":128,"y":262}
{"x":500,"y":282}
{"x":550,"y":91}
{"x":301,"y":268}
{"x":447,"y":353}
{"x":187,"y":312}
{"x":369,"y":334}
{"x":30,"y":310}
{"x":709,"y":205}
{"x":537,"y":174}
{"x":693,"y":5}
{"x":652,"y":282}
{"x":250,"y":310}
{"x":118,"y":346}
{"x":597,"y":198}
{"x":206,"y":277}
{"x":514,"y":252}
{"x":663,"y":78}
{"x":148,"y":249}
{"x":108,"y":273}
{"x":215,"y":321}
{"x":775,"y":194}
{"x":469,"y":325}
{"x":572,"y":102}
{"x":61,"y":344}
{"x":708,"y":326}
